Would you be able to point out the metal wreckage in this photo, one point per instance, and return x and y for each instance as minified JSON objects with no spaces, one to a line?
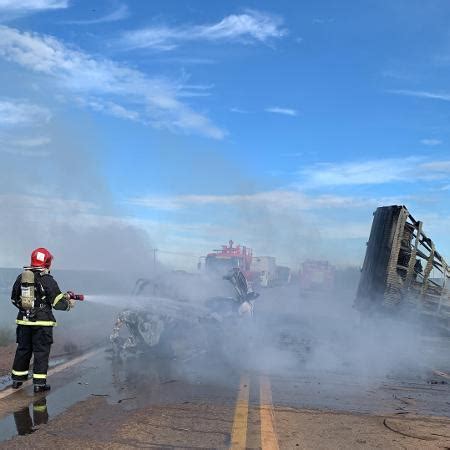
{"x":403,"y":274}
{"x":171,"y":326}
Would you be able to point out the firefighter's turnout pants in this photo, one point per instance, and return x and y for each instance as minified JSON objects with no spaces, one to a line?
{"x":37,"y":341}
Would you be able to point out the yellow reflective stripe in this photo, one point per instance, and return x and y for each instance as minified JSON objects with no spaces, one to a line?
{"x":19,"y":374}
{"x":40,"y":376}
{"x":39,"y":323}
{"x":40,"y":408}
{"x":57,"y":299}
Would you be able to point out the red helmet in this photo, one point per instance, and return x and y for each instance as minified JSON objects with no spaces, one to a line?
{"x":41,"y":257}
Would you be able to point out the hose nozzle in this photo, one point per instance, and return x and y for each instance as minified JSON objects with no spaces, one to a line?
{"x":73,"y":296}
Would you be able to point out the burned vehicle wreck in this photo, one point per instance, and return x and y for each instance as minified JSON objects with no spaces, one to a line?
{"x":176,"y":326}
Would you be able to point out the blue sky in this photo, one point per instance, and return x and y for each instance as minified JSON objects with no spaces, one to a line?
{"x":282,"y":125}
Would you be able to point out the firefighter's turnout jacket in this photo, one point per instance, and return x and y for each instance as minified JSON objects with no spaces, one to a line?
{"x":48,"y":296}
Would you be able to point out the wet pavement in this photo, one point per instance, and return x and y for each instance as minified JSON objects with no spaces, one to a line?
{"x":144,"y":382}
{"x":131,"y":385}
{"x":207,"y":400}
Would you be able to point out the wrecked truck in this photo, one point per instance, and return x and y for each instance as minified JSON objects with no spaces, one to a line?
{"x":173,"y":327}
{"x":403,"y":273}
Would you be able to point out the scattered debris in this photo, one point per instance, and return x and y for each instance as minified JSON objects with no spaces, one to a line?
{"x":441,"y":374}
{"x":125,"y":399}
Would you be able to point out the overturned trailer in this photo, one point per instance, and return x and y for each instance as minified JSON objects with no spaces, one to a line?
{"x":403,"y":273}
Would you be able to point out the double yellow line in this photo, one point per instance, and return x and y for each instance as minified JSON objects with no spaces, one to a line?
{"x":240,"y":421}
{"x":269,"y":440}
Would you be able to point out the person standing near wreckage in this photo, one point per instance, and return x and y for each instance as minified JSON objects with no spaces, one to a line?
{"x":35,"y":293}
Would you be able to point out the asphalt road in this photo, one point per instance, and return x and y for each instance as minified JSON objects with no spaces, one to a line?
{"x":207,"y":401}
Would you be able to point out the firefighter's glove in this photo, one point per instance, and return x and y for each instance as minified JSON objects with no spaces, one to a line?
{"x":69,"y":297}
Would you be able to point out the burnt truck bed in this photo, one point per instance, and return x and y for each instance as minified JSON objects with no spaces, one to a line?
{"x":402,"y":271}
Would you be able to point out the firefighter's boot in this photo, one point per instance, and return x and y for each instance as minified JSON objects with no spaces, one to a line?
{"x":17,"y":384}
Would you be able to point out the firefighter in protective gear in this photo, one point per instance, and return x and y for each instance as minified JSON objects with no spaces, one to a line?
{"x":35,"y":293}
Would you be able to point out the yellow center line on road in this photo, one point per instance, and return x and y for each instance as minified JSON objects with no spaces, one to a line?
{"x":269,"y":439}
{"x":239,"y":432}
{"x":9,"y":391}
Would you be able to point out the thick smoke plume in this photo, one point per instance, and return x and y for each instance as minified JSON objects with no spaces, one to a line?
{"x":62,"y":201}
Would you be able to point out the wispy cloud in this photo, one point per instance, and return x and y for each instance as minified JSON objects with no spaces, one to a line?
{"x":17,"y":117}
{"x":250,"y":27}
{"x":239,"y":111}
{"x":399,"y":74}
{"x":284,"y":111}
{"x":36,"y":141}
{"x":275,"y":110}
{"x":437,"y":166}
{"x":422,"y":94}
{"x":31,"y":5}
{"x":22,"y":113}
{"x":278,"y":199}
{"x":26,"y":152}
{"x":120,"y":13}
{"x":195,"y":90}
{"x":431,"y":142}
{"x":358,"y":173}
{"x":373,"y":172}
{"x":110,"y":108}
{"x":187,"y":60}
{"x":106,"y":82}
{"x":34,"y":146}
{"x":46,"y":203}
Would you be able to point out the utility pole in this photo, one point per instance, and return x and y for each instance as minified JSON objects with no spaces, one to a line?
{"x":154,"y":256}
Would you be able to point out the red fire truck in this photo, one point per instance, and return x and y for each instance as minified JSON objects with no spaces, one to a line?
{"x":317,"y":276}
{"x":221,"y":261}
